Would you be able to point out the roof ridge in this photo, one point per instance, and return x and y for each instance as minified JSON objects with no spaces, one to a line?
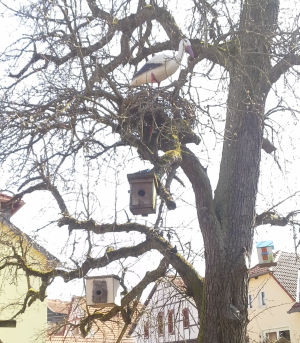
{"x":51,"y":258}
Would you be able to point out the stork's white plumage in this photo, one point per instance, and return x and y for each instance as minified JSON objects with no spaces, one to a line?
{"x":160,"y":67}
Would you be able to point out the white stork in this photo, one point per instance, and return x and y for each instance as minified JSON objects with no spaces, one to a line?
{"x":160,"y":67}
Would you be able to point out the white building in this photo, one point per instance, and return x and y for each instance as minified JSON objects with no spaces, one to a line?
{"x":170,"y":316}
{"x":273,"y":307}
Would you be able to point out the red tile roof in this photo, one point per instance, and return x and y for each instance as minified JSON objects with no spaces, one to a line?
{"x":258,"y":270}
{"x":59,"y":306}
{"x":104,"y":332}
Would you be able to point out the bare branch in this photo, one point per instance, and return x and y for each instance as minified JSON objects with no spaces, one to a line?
{"x":283,"y":66}
{"x":273,"y":218}
{"x":201,"y":186}
{"x":267,"y":146}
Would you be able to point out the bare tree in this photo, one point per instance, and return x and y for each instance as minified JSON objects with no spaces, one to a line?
{"x":68,"y":87}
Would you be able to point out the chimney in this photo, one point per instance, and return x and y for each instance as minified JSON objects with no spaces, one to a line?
{"x":7,"y":207}
{"x":265,"y":252}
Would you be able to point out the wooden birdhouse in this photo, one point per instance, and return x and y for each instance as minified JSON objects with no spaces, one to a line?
{"x":265,"y":252}
{"x":8,"y":207}
{"x":101,"y":290}
{"x":143,"y":190}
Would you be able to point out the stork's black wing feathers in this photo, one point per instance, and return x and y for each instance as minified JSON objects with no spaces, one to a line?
{"x":146,"y":67}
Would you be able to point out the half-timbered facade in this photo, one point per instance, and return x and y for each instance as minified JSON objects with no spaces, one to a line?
{"x":170,"y":316}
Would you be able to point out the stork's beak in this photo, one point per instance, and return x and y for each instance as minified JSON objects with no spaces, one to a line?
{"x":190,"y":51}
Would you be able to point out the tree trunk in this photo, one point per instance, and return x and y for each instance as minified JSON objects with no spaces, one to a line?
{"x":228,"y":243}
{"x":226,"y":262}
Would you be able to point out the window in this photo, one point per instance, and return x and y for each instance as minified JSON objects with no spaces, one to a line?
{"x":185,"y":318}
{"x":160,"y":323}
{"x":171,"y":322}
{"x":271,"y":337}
{"x":275,"y":335}
{"x":250,"y":304}
{"x":285,"y":334}
{"x":8,"y":323}
{"x":262,"y":299}
{"x":146,"y":330}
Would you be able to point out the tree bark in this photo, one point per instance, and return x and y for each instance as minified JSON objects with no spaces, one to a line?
{"x":228,"y":237}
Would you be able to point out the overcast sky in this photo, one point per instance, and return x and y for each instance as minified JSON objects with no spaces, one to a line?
{"x":279,"y":179}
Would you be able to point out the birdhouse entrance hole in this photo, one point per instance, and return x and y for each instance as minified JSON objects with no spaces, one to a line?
{"x":141,"y":193}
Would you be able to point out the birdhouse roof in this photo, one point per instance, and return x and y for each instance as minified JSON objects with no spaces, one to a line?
{"x":265,"y":244}
{"x":141,"y":174}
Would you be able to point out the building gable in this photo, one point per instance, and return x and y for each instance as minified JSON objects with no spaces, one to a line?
{"x":169,"y":316}
{"x":13,"y":239}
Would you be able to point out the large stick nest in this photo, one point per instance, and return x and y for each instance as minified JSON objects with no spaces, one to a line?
{"x":156,"y":117}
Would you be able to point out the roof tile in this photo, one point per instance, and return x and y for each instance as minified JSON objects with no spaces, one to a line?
{"x":285,"y":271}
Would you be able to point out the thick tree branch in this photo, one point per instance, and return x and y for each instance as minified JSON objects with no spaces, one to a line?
{"x":197,"y":175}
{"x":149,"y":277}
{"x":154,"y":241}
{"x":267,"y":146}
{"x":273,"y":218}
{"x":127,"y":25}
{"x":215,"y":54}
{"x":90,"y":263}
{"x":282,"y":67}
{"x":45,"y":185}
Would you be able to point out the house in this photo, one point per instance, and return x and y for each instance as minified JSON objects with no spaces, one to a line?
{"x":169,"y":315}
{"x":57,"y":313}
{"x":67,"y":316}
{"x":30,"y":326}
{"x":273,"y":300}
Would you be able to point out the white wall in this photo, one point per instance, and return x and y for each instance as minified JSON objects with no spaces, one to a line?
{"x":167,"y":298}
